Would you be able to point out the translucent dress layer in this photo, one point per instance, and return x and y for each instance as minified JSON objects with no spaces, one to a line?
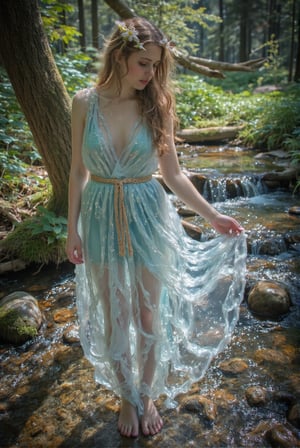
{"x":152,"y":319}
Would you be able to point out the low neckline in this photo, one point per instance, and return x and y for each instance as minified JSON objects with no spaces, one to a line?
{"x":108,"y":135}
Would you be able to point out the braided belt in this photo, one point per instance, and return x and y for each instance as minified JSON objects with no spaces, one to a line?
{"x":119,"y":206}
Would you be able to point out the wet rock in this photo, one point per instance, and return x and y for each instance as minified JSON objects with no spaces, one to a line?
{"x":294,"y":415}
{"x":272,"y":356}
{"x":185,"y":212}
{"x":281,"y":437}
{"x":20,"y":317}
{"x":294,"y":210}
{"x":283,"y":397}
{"x":198,"y":180}
{"x":292,"y":238}
{"x":280,"y":178}
{"x":233,"y":365}
{"x":270,"y":246}
{"x":199,"y":404}
{"x":224,"y":399}
{"x":209,"y":408}
{"x":71,"y":334}
{"x":230,"y":189}
{"x":63,"y":315}
{"x":256,"y":395}
{"x":255,"y":436}
{"x":192,"y":230}
{"x":269,"y":299}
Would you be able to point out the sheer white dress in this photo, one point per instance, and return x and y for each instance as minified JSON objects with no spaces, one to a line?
{"x":191,"y":290}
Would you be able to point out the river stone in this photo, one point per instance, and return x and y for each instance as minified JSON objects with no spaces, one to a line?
{"x":71,"y":334}
{"x":199,"y":404}
{"x":280,"y":436}
{"x":256,"y":395}
{"x":269,"y":299}
{"x":294,"y":210}
{"x":272,"y":356}
{"x":294,"y":415}
{"x":233,"y":365}
{"x":20,"y":317}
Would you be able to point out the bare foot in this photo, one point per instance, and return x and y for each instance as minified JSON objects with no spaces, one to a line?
{"x":151,"y":421}
{"x":128,"y":423}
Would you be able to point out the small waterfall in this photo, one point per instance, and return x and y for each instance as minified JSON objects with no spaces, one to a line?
{"x":219,"y":190}
{"x":271,"y":245}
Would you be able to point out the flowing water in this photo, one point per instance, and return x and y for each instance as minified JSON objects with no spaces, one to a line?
{"x":48,"y":397}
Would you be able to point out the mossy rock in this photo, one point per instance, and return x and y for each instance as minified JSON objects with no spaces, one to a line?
{"x":23,"y":244}
{"x":20,"y":318}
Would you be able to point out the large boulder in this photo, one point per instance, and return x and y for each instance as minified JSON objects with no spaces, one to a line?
{"x":269,"y":299}
{"x":20,"y":317}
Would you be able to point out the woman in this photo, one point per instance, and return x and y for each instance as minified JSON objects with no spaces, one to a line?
{"x":154,"y":305}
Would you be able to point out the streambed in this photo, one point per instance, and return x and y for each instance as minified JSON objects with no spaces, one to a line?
{"x":48,"y":397}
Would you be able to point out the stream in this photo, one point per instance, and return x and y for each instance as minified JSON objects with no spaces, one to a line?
{"x":48,"y":397}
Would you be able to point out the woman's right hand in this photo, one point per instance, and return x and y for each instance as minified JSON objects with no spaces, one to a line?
{"x":74,"y":249}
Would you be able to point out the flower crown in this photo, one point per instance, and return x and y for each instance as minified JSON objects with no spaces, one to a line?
{"x":130,"y":34}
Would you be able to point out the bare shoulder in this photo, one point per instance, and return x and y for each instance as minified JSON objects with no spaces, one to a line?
{"x":80,"y":105}
{"x":81,"y":100}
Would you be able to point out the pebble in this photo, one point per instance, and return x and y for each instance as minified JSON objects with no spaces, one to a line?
{"x":281,"y":437}
{"x":234,"y":366}
{"x":256,"y":396}
{"x":294,"y":415}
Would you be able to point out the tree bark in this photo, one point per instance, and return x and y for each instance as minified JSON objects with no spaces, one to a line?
{"x":212,"y":134}
{"x":121,"y":8}
{"x":244,"y":24}
{"x":297,"y":68}
{"x":82,"y":39}
{"x":95,"y":24}
{"x":222,"y":47}
{"x":292,"y":44}
{"x":39,"y":89}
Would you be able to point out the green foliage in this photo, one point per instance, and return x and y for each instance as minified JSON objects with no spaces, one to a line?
{"x":74,"y":67}
{"x":274,"y":62}
{"x":237,"y":82}
{"x":200,"y":104}
{"x":17,"y":150}
{"x":179,"y":20}
{"x":52,"y":13}
{"x":40,"y":239}
{"x":51,"y":226}
{"x":15,"y":136}
{"x":277,"y":122}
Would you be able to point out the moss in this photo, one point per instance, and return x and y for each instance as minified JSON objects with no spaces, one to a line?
{"x":23,"y":244}
{"x":14,"y":327}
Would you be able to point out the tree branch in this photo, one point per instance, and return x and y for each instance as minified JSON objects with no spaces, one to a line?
{"x":206,"y":67}
{"x":121,"y":8}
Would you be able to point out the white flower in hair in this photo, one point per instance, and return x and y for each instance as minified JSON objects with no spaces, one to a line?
{"x":130,"y":34}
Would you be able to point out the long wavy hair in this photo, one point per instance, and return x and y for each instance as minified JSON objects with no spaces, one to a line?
{"x":156,"y":100}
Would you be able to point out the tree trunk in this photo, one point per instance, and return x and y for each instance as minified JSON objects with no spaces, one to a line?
{"x":81,"y":25}
{"x":297,"y":68}
{"x":292,"y":44}
{"x":95,"y":25}
{"x":39,"y":89}
{"x":212,"y":134}
{"x":244,"y":18}
{"x":222,"y":48}
{"x":274,"y":19}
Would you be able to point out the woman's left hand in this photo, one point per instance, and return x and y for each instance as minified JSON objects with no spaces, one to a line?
{"x":227,"y":225}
